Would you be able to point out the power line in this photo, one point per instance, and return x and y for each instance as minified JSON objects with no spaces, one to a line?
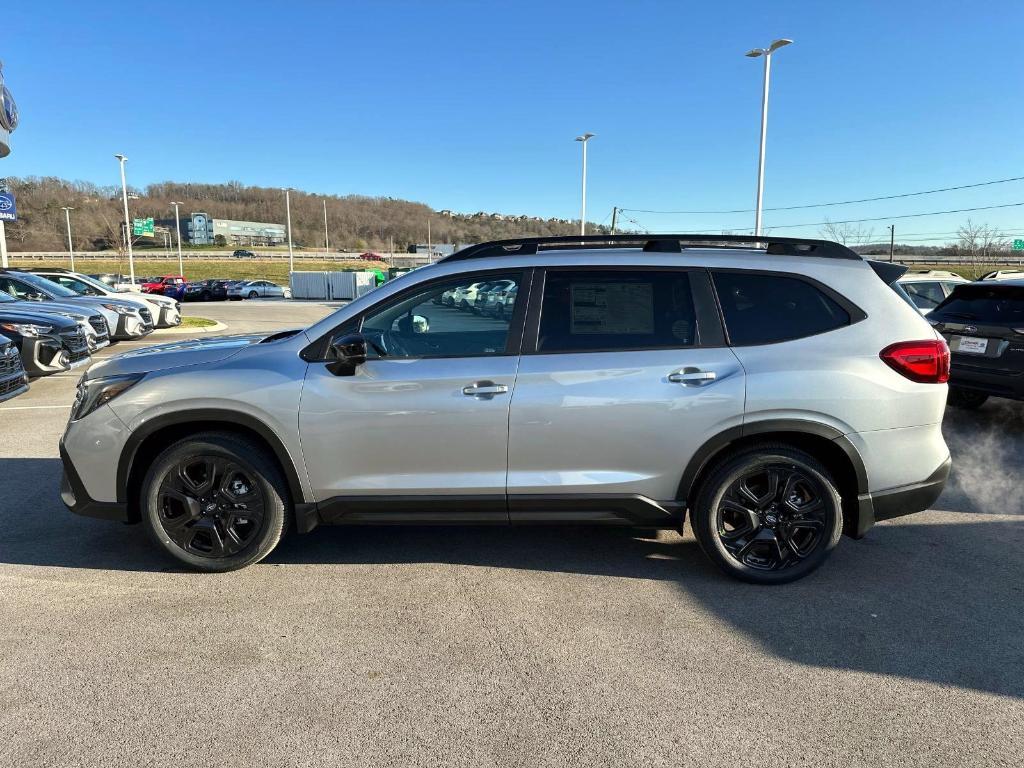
{"x":839,"y":202}
{"x":878,"y":218}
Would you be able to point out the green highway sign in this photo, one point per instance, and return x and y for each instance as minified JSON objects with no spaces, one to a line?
{"x":142,"y":226}
{"x":1018,"y":245}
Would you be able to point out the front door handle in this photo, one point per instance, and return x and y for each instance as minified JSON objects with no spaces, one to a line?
{"x":692,"y":377}
{"x":484,"y":390}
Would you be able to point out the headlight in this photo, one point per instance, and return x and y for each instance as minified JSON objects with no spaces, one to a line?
{"x":121,"y":310}
{"x":92,"y":393}
{"x":26,"y":329}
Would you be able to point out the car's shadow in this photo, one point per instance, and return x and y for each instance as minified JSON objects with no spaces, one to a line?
{"x":937,"y":601}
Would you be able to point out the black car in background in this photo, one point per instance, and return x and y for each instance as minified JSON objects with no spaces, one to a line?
{"x":206,"y":290}
{"x":47,"y":342}
{"x":983,"y":323}
{"x":13,"y":379}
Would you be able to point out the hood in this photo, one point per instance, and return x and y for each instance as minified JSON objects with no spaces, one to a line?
{"x":24,"y":315}
{"x":174,"y":355}
{"x":62,"y":307}
{"x":151,"y":298}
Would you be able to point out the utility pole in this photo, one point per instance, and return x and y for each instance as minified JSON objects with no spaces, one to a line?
{"x":177,"y":227}
{"x":583,"y":203}
{"x":892,"y":240}
{"x":767,"y":54}
{"x":430,"y":246}
{"x":327,"y":237}
{"x":71,"y":247}
{"x":615,"y":216}
{"x":288,"y":209}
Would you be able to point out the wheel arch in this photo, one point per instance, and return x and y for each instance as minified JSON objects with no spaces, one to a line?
{"x":825,"y":443}
{"x":148,"y":440}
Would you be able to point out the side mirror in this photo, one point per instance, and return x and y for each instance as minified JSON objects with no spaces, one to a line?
{"x":346,"y":354}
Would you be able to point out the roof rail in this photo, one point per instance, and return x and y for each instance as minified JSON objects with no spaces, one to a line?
{"x":775,"y":246}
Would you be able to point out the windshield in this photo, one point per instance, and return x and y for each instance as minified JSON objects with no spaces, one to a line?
{"x":6,"y":297}
{"x":93,"y":282}
{"x":47,"y":287}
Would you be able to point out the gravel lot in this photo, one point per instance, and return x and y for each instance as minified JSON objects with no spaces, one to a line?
{"x":525,"y":647}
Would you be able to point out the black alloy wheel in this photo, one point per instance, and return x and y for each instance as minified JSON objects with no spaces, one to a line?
{"x":768,"y":514}
{"x":216,"y":501}
{"x":771,"y":518}
{"x":210,"y":506}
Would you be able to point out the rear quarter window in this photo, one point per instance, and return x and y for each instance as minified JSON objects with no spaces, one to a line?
{"x":764,"y":309}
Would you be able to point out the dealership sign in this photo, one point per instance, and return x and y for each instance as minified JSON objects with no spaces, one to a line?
{"x":8,"y":210}
{"x":8,"y":115}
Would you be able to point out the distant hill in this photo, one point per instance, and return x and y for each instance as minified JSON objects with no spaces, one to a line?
{"x":355,"y":222}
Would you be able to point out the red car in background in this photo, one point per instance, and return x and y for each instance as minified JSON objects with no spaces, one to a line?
{"x":158,"y":284}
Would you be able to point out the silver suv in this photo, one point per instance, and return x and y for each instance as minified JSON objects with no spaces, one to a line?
{"x":778,"y":393}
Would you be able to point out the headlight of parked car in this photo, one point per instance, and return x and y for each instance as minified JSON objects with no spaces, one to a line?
{"x":121,"y":310}
{"x":92,"y":393}
{"x":26,"y":329}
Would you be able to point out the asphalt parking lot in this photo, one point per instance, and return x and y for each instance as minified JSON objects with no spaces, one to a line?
{"x":525,"y":647}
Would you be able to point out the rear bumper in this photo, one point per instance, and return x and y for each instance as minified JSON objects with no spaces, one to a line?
{"x":77,"y":499}
{"x":904,"y":500}
{"x":1008,"y":384}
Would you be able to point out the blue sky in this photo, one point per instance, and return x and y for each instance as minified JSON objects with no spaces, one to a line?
{"x":474,"y":105}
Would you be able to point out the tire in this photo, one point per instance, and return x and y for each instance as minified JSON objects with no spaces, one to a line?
{"x":772,"y":555}
{"x":204,"y":296}
{"x":253,"y":294}
{"x":193,"y":539}
{"x":968,"y":399}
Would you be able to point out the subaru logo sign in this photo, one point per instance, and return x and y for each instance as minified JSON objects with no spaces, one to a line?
{"x":8,"y":209}
{"x":970,"y":329}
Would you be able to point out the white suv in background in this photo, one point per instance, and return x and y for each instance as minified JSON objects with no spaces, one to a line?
{"x":775,"y":393}
{"x":928,"y":288}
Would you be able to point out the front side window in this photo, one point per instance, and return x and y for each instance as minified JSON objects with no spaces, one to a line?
{"x":440,"y":321}
{"x":612,"y":310}
{"x":762,"y":309}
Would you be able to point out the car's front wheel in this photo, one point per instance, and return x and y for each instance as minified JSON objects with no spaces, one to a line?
{"x":768,"y":514}
{"x":216,"y":501}
{"x":253,"y":294}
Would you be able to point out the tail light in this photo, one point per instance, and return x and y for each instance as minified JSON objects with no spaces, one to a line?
{"x":923,"y":361}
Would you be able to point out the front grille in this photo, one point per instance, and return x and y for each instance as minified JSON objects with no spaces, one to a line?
{"x":12,"y":372}
{"x":76,"y":344}
{"x":147,"y":316}
{"x":99,"y":324}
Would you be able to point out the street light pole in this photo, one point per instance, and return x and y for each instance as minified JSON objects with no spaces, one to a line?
{"x":127,"y":222}
{"x":327,"y":237}
{"x":288,"y":209}
{"x":583,"y":207}
{"x":71,"y":247}
{"x":177,"y":227}
{"x":767,"y":54}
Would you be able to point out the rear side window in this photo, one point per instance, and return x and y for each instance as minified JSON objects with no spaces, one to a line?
{"x":761,"y":309}
{"x":605,"y":310}
{"x":998,"y":305}
{"x":925,"y":295}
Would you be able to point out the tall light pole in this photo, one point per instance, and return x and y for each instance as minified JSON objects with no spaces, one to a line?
{"x":583,"y":208}
{"x":71,"y":248}
{"x":288,"y":209}
{"x":767,"y":54}
{"x":177,"y":227}
{"x":327,"y":237}
{"x":127,"y":221}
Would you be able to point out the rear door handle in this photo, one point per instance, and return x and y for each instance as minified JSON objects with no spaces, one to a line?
{"x":692,"y":377}
{"x":484,"y":390}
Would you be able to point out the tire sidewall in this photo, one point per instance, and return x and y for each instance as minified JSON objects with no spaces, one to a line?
{"x":705,"y":524}
{"x":262,"y":471}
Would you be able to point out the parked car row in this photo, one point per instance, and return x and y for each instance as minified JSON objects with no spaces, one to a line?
{"x":494,"y":298}
{"x":212,"y":289}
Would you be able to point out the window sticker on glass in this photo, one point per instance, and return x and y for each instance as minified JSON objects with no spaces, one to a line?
{"x":612,"y":308}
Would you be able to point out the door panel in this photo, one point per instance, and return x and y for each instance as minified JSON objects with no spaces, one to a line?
{"x":405,"y":426}
{"x":613,"y":422}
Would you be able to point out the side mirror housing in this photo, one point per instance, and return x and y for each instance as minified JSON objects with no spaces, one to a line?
{"x":346,"y":353}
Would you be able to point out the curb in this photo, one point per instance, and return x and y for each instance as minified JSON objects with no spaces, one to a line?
{"x":178,"y":329}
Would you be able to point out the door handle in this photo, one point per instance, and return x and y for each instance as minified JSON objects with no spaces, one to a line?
{"x":484,"y":390}
{"x":692,"y":377}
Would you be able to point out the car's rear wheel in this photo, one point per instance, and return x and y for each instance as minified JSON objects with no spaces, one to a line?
{"x":215,"y":501}
{"x":768,"y":514}
{"x":966,"y":398}
{"x":204,"y":296}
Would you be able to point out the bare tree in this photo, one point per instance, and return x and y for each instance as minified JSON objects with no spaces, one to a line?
{"x":847,"y":233}
{"x":979,"y":242}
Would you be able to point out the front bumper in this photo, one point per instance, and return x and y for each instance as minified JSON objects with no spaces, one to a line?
{"x":904,"y":500}
{"x":77,"y":499}
{"x":131,"y":327}
{"x":43,"y":355}
{"x":166,"y":317}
